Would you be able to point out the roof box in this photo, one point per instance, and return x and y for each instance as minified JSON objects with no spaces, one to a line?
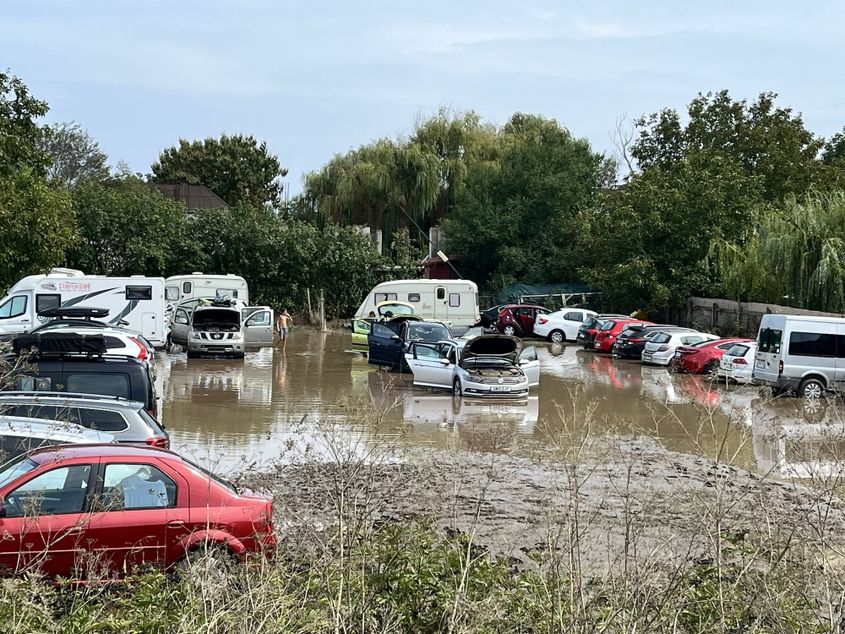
{"x":75,"y":313}
{"x":55,"y":343}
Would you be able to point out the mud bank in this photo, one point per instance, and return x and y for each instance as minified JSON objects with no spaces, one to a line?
{"x":625,"y":500}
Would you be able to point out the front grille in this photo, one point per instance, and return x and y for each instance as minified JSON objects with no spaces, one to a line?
{"x":216,"y":336}
{"x":509,"y":380}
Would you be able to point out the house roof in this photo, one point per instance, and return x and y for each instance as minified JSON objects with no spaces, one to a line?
{"x":193,"y":196}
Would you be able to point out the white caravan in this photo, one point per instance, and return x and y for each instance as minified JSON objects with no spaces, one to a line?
{"x":199,"y":285}
{"x":136,"y":300}
{"x":454,"y":302}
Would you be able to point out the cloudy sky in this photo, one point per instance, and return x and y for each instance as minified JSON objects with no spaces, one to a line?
{"x":317,"y":78}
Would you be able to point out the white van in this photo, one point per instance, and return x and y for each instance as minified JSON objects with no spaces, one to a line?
{"x":454,"y":302}
{"x":199,"y":285}
{"x":136,"y":300}
{"x":800,"y":353}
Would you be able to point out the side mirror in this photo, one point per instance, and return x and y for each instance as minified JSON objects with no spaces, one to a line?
{"x":523,"y":362}
{"x":445,"y":361}
{"x":395,"y":337}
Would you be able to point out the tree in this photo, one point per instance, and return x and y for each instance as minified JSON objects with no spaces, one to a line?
{"x":516,"y":217}
{"x":237,"y":168}
{"x":73,"y":155}
{"x":128,"y":228}
{"x":20,"y":135}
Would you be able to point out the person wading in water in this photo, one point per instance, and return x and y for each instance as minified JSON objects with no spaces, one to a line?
{"x":283,"y":322}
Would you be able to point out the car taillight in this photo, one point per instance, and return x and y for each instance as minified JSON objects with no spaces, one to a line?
{"x":635,"y":339}
{"x":780,"y":367}
{"x":543,"y":320}
{"x":161,"y":442}
{"x":663,"y":348}
{"x":740,"y":361}
{"x":143,"y":353}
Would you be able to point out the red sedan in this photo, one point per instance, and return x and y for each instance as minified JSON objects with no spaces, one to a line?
{"x":114,"y":507}
{"x":517,"y":320}
{"x":610,"y":330}
{"x":703,"y":358}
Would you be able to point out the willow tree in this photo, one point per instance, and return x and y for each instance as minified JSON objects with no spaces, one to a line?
{"x":797,"y":254}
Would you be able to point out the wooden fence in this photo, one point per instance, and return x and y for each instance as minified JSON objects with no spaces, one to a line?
{"x":727,"y":317}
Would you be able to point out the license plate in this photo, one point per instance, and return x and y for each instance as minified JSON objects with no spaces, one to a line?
{"x":597,"y":345}
{"x":500,"y":388}
{"x":677,"y":355}
{"x":646,"y":357}
{"x":761,"y":364}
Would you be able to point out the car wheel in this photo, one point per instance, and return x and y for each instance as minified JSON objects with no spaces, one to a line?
{"x":711,"y":367}
{"x":456,"y":387}
{"x":509,"y":330}
{"x":557,"y":336}
{"x":811,"y":389}
{"x":209,"y":566}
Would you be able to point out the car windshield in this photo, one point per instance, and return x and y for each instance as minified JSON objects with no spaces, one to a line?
{"x":395,"y":309}
{"x":15,"y":468}
{"x":428,"y":332}
{"x":473,"y":332}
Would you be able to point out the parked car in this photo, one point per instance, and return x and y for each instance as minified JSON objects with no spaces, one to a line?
{"x":384,"y":311}
{"x":800,"y":353}
{"x":118,"y":340}
{"x":660,"y":349}
{"x":21,"y":434}
{"x":737,"y":364}
{"x":610,"y":329}
{"x":79,"y":364}
{"x":588,"y":330}
{"x":703,"y":357}
{"x":489,"y":316}
{"x":517,"y":320}
{"x":121,"y":507}
{"x":127,"y":421}
{"x":227,"y":328}
{"x":390,"y":340}
{"x":631,"y":341}
{"x":486,"y":365}
{"x":561,"y":325}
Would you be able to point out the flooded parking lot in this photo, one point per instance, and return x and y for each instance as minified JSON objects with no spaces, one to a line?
{"x":230,"y":412}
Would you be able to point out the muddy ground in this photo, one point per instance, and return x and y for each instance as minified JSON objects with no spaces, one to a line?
{"x":623,"y":498}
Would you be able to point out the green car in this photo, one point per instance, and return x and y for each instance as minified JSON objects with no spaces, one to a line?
{"x":361,"y":326}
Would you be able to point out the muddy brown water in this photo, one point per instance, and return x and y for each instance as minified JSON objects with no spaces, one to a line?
{"x":230,"y":414}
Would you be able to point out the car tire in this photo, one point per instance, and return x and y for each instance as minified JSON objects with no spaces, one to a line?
{"x":557,"y":336}
{"x":811,"y":389}
{"x":208,"y":565}
{"x":457,"y":390}
{"x":711,"y":367}
{"x":509,"y":330}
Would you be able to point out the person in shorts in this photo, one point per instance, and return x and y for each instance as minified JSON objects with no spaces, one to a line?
{"x":283,"y":322}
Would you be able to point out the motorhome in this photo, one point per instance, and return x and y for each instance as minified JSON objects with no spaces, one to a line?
{"x":199,"y":285}
{"x":136,"y":302}
{"x":800,"y":353}
{"x":454,"y":302}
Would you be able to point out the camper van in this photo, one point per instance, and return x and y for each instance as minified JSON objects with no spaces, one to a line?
{"x":199,"y":285}
{"x":800,"y":353}
{"x":454,"y":302}
{"x":137,"y":302}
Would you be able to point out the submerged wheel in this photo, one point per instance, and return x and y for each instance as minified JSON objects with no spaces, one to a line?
{"x":811,"y":389}
{"x":711,"y":366}
{"x":456,"y":387}
{"x":509,"y":330}
{"x":557,"y":336}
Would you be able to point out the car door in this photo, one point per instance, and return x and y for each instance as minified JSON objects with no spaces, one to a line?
{"x":141,"y":512}
{"x":179,"y":326}
{"x":384,"y":347}
{"x":530,"y":364}
{"x":571,"y":322}
{"x":258,"y":328}
{"x":432,"y":364}
{"x":45,"y":520}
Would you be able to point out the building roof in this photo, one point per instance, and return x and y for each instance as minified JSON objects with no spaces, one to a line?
{"x":193,"y":196}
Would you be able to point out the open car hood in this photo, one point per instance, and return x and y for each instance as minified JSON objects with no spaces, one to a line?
{"x":396,"y":307}
{"x":489,"y":347}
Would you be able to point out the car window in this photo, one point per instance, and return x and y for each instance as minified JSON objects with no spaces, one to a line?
{"x":574,"y":316}
{"x":181,"y":316}
{"x":428,"y":332}
{"x":261,"y":318}
{"x":128,"y":486}
{"x":13,"y":307}
{"x":726,"y":346}
{"x":384,"y":297}
{"x":737,"y":350}
{"x":688,"y":339}
{"x":382,"y":330}
{"x":608,"y":325}
{"x":812,"y":344}
{"x":106,"y":384}
{"x":661,"y":337}
{"x":171,"y":293}
{"x":11,"y":445}
{"x":769,"y":340}
{"x":46,"y":301}
{"x":34,"y":384}
{"x":426,"y":352}
{"x":60,"y":490}
{"x":102,"y":420}
{"x":50,"y":412}
{"x":16,"y":468}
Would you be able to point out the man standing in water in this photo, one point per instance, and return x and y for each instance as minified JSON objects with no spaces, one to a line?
{"x":283,"y":322}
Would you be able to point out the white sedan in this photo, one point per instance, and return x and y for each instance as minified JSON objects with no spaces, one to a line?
{"x":488,"y":365}
{"x":660,"y":349}
{"x":561,"y":325}
{"x":737,"y":364}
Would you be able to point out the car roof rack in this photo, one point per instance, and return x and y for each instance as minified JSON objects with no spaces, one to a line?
{"x":54,"y":394}
{"x":60,"y":344}
{"x":75,"y":312}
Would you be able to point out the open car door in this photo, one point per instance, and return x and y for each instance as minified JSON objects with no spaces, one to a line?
{"x":179,"y":326}
{"x":384,"y":345}
{"x":432,"y":364}
{"x":530,"y":364}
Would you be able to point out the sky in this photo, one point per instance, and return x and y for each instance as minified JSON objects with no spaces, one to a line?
{"x":318,"y":78}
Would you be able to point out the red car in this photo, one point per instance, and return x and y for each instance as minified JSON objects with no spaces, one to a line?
{"x":517,"y":320}
{"x":610,"y":329}
{"x":70,"y":507}
{"x":703,"y":358}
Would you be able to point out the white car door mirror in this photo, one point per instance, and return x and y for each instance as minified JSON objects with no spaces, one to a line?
{"x":445,"y":361}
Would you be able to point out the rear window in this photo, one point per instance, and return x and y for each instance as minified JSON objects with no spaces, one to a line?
{"x":769,"y":340}
{"x":103,"y":420}
{"x":152,"y":422}
{"x":661,"y":337}
{"x":608,"y":325}
{"x":108,"y":384}
{"x":737,"y":350}
{"x":574,"y":316}
{"x":812,"y":344}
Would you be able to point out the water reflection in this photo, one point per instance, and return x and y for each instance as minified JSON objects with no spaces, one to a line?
{"x":249,"y":410}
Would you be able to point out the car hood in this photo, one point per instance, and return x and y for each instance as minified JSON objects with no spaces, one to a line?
{"x":485,"y":347}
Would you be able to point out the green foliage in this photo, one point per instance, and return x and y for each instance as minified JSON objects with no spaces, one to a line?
{"x":127,"y":227}
{"x":20,"y":135}
{"x":237,"y":168}
{"x":74,"y":155}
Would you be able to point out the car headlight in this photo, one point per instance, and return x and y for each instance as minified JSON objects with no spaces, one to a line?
{"x":195,"y":335}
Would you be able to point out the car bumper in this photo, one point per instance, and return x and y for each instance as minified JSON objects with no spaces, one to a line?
{"x":487,"y":391}
{"x":212,"y":349}
{"x":657,"y":358}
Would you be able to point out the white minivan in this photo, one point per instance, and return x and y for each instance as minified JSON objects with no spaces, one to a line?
{"x":800,"y":353}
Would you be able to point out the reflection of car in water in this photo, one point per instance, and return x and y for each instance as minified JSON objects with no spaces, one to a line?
{"x":486,"y":365}
{"x":384,"y":311}
{"x":448,"y":410}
